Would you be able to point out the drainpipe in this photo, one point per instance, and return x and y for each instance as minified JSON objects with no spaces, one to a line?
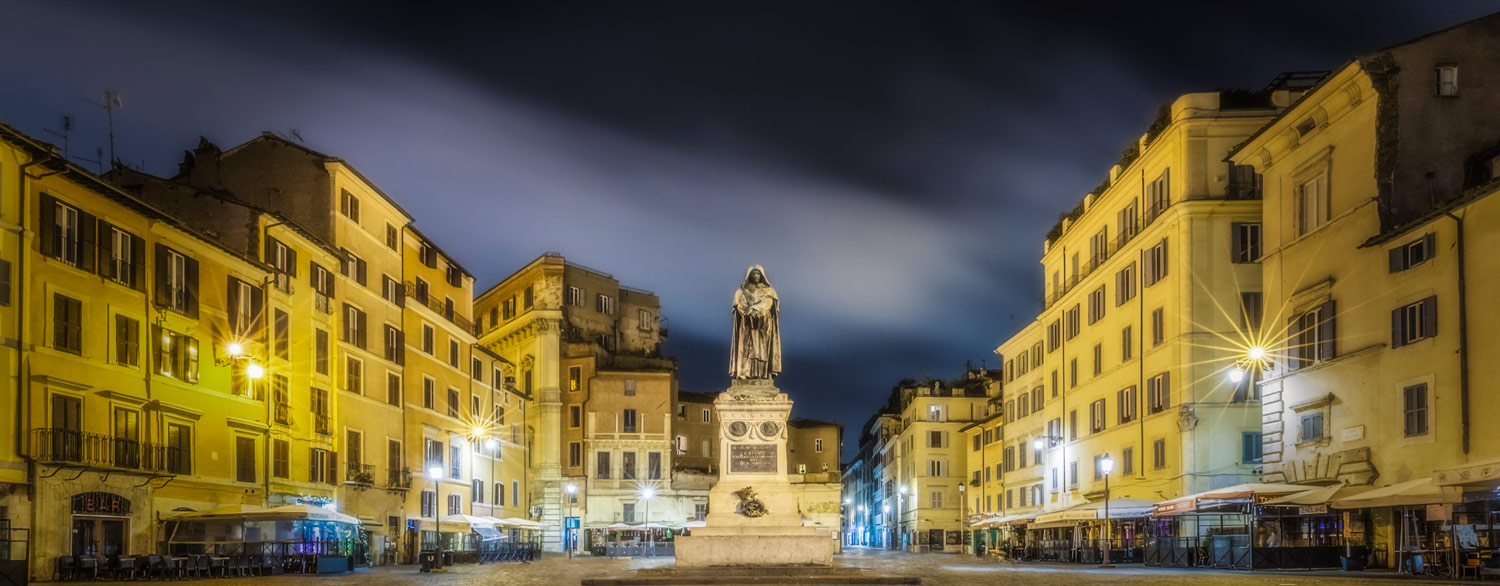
{"x":1463,"y":334}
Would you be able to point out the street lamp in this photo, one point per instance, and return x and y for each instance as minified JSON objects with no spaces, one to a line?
{"x":646,"y":495}
{"x":571,"y":490}
{"x":901,"y":513}
{"x":885,"y":511}
{"x":1106,"y":465}
{"x":434,"y":474}
{"x":963,"y":511}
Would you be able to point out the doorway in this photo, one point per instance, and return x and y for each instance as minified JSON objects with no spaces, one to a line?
{"x":96,"y":536}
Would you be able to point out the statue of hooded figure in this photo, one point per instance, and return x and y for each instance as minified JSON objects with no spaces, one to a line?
{"x":755,"y":348}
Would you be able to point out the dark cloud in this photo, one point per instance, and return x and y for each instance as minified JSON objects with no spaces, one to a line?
{"x":894,"y":165}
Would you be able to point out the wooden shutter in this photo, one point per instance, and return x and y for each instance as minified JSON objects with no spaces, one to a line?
{"x":363,"y":331}
{"x":233,"y":306}
{"x":138,"y":262}
{"x":47,"y":226}
{"x":1398,"y":327}
{"x":333,"y":468}
{"x":1166,"y":265}
{"x":1429,"y":316}
{"x":400,"y":347}
{"x":88,"y":236}
{"x":359,"y":271}
{"x":257,"y":310}
{"x":106,"y":250}
{"x":312,"y":465}
{"x":191,"y":274}
{"x":1397,"y":260}
{"x":1236,"y":243}
{"x":1294,"y":350}
{"x":291,"y":261}
{"x":1326,"y":332}
{"x":163,"y":288}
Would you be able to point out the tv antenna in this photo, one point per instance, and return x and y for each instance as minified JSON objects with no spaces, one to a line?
{"x":111,"y":102}
{"x":67,"y":126}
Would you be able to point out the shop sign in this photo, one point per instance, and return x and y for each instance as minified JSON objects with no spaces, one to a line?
{"x":1181,"y":506}
{"x":100,"y":503}
{"x":1313,"y":510}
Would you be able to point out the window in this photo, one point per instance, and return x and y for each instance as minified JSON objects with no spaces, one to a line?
{"x":427,"y":254}
{"x":1098,"y":359}
{"x":527,"y":298}
{"x":1158,"y":327}
{"x":1127,"y":462}
{"x":1311,"y":428}
{"x":1312,"y":203}
{"x":1036,"y":355}
{"x":453,"y":354}
{"x":429,"y":504}
{"x":1156,"y":263}
{"x":601,"y":467}
{"x":352,"y":266}
{"x":1098,"y":467}
{"x":349,"y":205}
{"x":281,"y":332}
{"x":1127,"y":343}
{"x":179,"y":449}
{"x":245,"y":306}
{"x":1446,"y":79}
{"x":429,"y":339}
{"x":354,"y":448}
{"x":1071,"y":325}
{"x":1246,"y":245}
{"x":390,"y":289}
{"x":455,"y":460}
{"x":393,"y":389}
{"x":244,"y":459}
{"x":627,"y":465}
{"x":392,"y":237}
{"x":1414,"y":410}
{"x":453,"y":402}
{"x":455,"y":275}
{"x":1096,"y":305}
{"x":937,"y":499}
{"x":67,"y":234}
{"x":1072,"y":373}
{"x":1125,"y":284}
{"x":1125,"y":400}
{"x":419,"y":290}
{"x":575,"y":454}
{"x":707,"y":414}
{"x":575,"y":416}
{"x":1250,"y":447}
{"x":434,"y":454}
{"x":319,"y":402}
{"x":354,"y":375}
{"x":320,"y":351}
{"x":574,"y":297}
{"x":1412,"y":253}
{"x":122,"y":255}
{"x":127,"y":341}
{"x":1097,"y":413}
{"x":67,"y":323}
{"x":515,"y":493}
{"x":1054,"y":335}
{"x":937,"y":439}
{"x":353,"y":331}
{"x":177,"y":356}
{"x":605,"y":304}
{"x":1073,"y":474}
{"x":1414,"y":322}
{"x":1158,"y":195}
{"x":1073,"y":425}
{"x":818,"y":445}
{"x":394,"y":344}
{"x":455,"y":504}
{"x":476,"y":368}
{"x":628,"y":421}
{"x":1127,"y":222}
{"x":935,"y":468}
{"x":575,"y":378}
{"x":500,"y":493}
{"x":176,"y":282}
{"x":429,"y":394}
{"x":935,"y":413}
{"x":1054,"y":382}
{"x":1158,"y":454}
{"x":629,"y":387}
{"x":1098,"y":247}
{"x":281,"y":399}
{"x":1250,"y":311}
{"x":477,"y":490}
{"x":281,"y":459}
{"x":1158,"y":393}
{"x":1312,"y":337}
{"x":5,"y":282}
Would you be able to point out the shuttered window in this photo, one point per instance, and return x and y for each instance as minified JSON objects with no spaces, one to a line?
{"x":1311,"y":337}
{"x":1413,"y":322}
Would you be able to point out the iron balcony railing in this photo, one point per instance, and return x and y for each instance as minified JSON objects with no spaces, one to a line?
{"x":440,"y":308}
{"x":361,"y":473}
{"x":1113,"y":246}
{"x":323,"y":303}
{"x":322,"y":423}
{"x":71,"y":446}
{"x":398,"y":478}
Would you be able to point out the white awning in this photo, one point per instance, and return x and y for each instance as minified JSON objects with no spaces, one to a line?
{"x":1118,"y":509}
{"x":1421,"y":491}
{"x":1485,"y":474}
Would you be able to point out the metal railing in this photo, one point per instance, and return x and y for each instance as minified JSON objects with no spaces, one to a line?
{"x":399,"y":479}
{"x":322,"y":423}
{"x":1113,"y":246}
{"x":360,"y":473}
{"x":71,"y":446}
{"x":439,"y":308}
{"x":322,"y":303}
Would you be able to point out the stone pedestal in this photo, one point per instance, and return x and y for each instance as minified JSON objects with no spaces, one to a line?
{"x":753,"y":518}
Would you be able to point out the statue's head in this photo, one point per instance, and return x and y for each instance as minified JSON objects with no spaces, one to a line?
{"x":755,"y":275}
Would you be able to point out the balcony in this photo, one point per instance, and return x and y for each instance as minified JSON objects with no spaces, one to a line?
{"x":363,"y":474}
{"x":398,"y":479}
{"x":322,"y":423}
{"x":79,"y":448}
{"x":448,"y":313}
{"x":322,"y":303}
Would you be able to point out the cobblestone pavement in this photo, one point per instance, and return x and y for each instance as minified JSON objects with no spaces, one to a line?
{"x":934,"y":569}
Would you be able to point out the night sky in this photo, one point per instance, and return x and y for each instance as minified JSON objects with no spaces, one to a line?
{"x":893,"y":165}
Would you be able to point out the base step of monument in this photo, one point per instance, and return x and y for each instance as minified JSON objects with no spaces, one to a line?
{"x":751,"y":575}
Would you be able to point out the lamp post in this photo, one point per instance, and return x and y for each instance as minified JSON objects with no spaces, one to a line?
{"x":901,"y":514}
{"x":885,"y":510}
{"x":434,"y":474}
{"x":646,"y":495}
{"x":1106,"y":465}
{"x":963,"y":514}
{"x":571,"y":490}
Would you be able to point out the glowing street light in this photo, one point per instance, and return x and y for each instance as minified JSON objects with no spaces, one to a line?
{"x":646,"y":495}
{"x":434,"y":474}
{"x":255,"y":371}
{"x":1236,"y":374}
{"x":1106,"y":465}
{"x":571,"y":490}
{"x":491,"y":443}
{"x":234,"y":349}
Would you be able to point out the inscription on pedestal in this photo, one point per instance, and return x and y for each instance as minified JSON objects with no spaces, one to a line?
{"x":752,"y":458}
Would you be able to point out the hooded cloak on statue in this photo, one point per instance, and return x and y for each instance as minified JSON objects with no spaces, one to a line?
{"x":755,"y":348}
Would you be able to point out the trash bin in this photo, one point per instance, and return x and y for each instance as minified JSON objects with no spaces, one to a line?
{"x":447,"y":558}
{"x":429,"y":560}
